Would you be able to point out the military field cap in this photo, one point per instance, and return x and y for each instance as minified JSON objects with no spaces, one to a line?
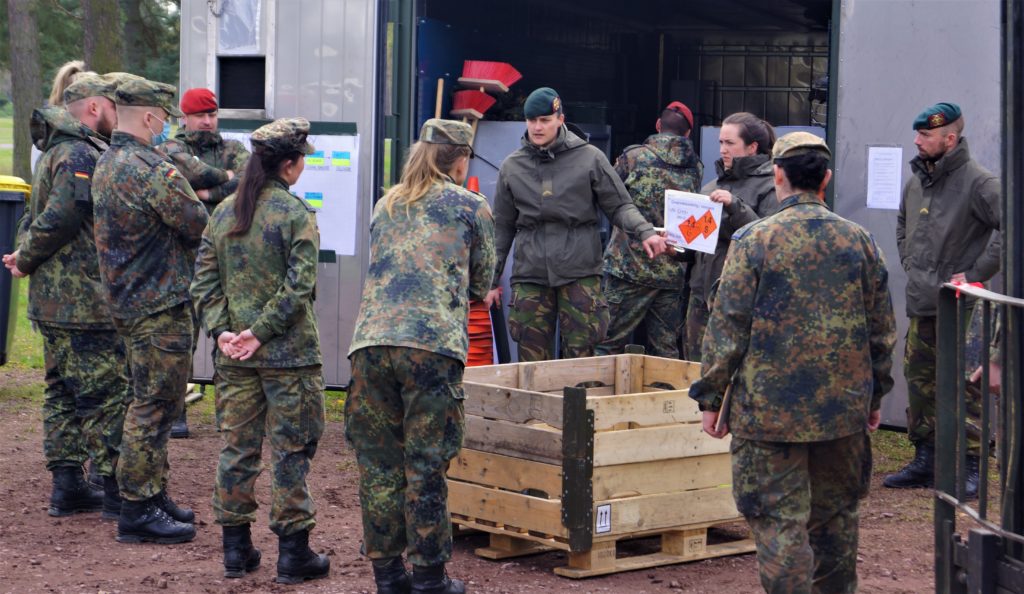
{"x":937,"y":116}
{"x":285,"y":135}
{"x":799,"y":143}
{"x":90,"y":85}
{"x":122,"y":77}
{"x":438,"y":131}
{"x":198,"y":100}
{"x":543,"y":101}
{"x":146,"y":93}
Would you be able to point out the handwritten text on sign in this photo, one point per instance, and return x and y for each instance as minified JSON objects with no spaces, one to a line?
{"x":692,"y":221}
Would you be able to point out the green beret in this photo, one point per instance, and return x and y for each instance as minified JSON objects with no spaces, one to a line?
{"x":285,"y":135}
{"x":438,"y":131}
{"x":799,"y":143}
{"x":544,"y":101}
{"x":146,"y":93}
{"x":90,"y":85}
{"x":937,"y":116}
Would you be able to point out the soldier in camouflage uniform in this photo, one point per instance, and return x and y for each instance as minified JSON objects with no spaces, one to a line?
{"x":803,"y":328}
{"x":211,"y":165}
{"x":547,"y":201}
{"x":254,"y":287}
{"x":947,"y":230}
{"x":147,"y":222}
{"x":746,"y":189}
{"x":432,"y":251}
{"x":86,"y":381}
{"x":637,"y":288}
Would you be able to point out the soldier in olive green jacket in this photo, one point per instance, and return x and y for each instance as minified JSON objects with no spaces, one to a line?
{"x":549,"y":194}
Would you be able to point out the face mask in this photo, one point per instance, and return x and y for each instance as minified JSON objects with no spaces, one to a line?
{"x":162,"y":135}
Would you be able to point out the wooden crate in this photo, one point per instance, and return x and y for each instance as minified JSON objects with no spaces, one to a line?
{"x":581,"y":454}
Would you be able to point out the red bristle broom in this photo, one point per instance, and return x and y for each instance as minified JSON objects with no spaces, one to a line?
{"x":471,"y":104}
{"x":495,"y":77}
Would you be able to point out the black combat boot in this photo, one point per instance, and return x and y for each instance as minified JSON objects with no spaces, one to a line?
{"x":971,"y":488}
{"x":296,"y":563}
{"x":919,"y":473}
{"x":111,"y":499}
{"x":71,"y":494}
{"x":391,"y":576}
{"x":179,"y":514}
{"x":433,"y":580}
{"x":145,"y":521}
{"x":240,"y":557}
{"x":94,"y":477}
{"x":179,"y":429}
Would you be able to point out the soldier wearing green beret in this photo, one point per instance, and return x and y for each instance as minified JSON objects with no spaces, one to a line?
{"x":254,"y":288}
{"x":549,"y":195}
{"x":86,"y":385}
{"x":803,"y":329}
{"x":432,"y":251}
{"x":148,"y":223}
{"x":948,"y":230}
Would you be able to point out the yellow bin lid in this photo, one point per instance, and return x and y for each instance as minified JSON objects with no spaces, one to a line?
{"x":9,"y":183}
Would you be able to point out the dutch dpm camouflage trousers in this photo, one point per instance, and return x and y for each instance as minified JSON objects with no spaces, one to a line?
{"x":579,"y":309}
{"x":697,"y":315}
{"x":661,"y":310}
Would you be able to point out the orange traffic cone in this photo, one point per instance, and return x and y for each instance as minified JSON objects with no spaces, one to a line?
{"x":473,"y":184}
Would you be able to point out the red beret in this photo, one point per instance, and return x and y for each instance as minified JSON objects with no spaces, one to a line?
{"x":198,"y":101}
{"x":674,"y":106}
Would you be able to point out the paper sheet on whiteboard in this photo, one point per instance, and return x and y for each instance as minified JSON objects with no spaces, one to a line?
{"x":885,"y":176}
{"x":692,"y":221}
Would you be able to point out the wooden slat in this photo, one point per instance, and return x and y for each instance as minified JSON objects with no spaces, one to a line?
{"x":504,"y":472}
{"x":654,"y":443}
{"x":678,"y":374}
{"x":644,"y":409}
{"x":736,"y":547}
{"x":483,"y":526}
{"x":546,"y":376}
{"x":668,"y":510}
{"x":511,"y":404}
{"x":503,"y":546}
{"x":504,"y":507}
{"x":662,"y":476}
{"x":501,"y":375}
{"x":532,"y":442}
{"x":629,"y":374}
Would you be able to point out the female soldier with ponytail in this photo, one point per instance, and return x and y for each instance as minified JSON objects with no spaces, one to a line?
{"x":431,"y":251}
{"x":253,"y":288}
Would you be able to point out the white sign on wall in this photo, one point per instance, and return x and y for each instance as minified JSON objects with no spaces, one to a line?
{"x":885,"y":176}
{"x":330,"y":183}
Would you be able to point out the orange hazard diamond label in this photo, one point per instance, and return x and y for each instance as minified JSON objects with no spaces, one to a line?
{"x":707,"y":224}
{"x":690,"y":229}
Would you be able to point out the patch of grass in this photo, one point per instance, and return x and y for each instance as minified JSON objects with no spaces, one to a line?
{"x":892,"y":450}
{"x":6,"y":161}
{"x":6,"y":130}
{"x":334,"y":402}
{"x":21,"y":397}
{"x":27,"y":346}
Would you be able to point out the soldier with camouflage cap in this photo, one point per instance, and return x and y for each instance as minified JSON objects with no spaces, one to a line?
{"x":86,"y":384}
{"x":254,"y":288}
{"x":549,"y":195}
{"x":432,"y":251}
{"x":947,"y":230}
{"x":803,"y":329}
{"x":639,"y":289}
{"x":147,"y":223}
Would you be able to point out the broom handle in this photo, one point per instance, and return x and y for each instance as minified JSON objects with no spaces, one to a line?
{"x":440,"y":94}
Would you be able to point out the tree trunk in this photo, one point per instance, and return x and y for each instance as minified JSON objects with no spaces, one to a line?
{"x":101,"y":32}
{"x":134,"y":36}
{"x":27,"y":94}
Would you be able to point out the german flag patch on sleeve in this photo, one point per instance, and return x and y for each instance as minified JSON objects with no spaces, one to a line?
{"x":82,"y":175}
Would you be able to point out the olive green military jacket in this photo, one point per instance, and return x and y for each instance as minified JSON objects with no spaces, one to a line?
{"x":662,"y":162}
{"x":802,"y":325}
{"x":205,"y":158}
{"x":547,"y":200}
{"x":426,"y":263}
{"x":949,"y":222}
{"x":751,"y":182}
{"x":263,"y":280}
{"x":55,"y":240}
{"x":148,"y":223}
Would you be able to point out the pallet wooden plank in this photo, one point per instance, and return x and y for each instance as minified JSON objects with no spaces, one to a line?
{"x":511,"y":404}
{"x":503,"y":546}
{"x":662,"y":476}
{"x":532,"y":442}
{"x":673,"y":372}
{"x":737,"y":547}
{"x":644,"y":409}
{"x":505,"y":472}
{"x":654,"y":443}
{"x":665,"y":510}
{"x":504,"y":507}
{"x":547,"y":376}
{"x":473,"y":524}
{"x":502,"y":375}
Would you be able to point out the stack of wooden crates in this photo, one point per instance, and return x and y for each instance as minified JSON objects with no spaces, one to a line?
{"x":581,"y":454}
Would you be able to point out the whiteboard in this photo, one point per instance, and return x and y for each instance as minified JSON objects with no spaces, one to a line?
{"x":330,"y":183}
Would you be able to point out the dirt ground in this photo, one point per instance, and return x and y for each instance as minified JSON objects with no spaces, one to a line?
{"x":79,"y":554}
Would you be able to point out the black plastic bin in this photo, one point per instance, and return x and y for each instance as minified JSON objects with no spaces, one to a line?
{"x":14,"y":192}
